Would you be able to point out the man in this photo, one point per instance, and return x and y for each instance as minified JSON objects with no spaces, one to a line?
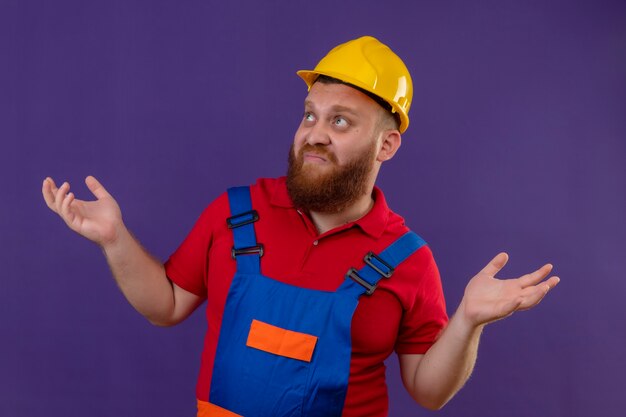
{"x":311,"y":280}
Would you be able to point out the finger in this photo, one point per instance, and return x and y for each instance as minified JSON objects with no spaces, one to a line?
{"x":535,"y":294}
{"x":96,"y":188}
{"x":535,"y":277}
{"x":552,"y":282}
{"x":60,"y":196}
{"x":48,"y":189}
{"x":496,"y":264}
{"x":66,"y":213}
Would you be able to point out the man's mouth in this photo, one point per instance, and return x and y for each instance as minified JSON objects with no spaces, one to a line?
{"x":314,"y":157}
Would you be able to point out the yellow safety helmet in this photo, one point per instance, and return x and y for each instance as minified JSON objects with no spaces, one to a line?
{"x":369,"y":64}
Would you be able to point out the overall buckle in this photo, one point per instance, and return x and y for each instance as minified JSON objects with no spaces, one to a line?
{"x":242,"y":219}
{"x":368,"y":260}
{"x":353,"y":274}
{"x":250,"y":250}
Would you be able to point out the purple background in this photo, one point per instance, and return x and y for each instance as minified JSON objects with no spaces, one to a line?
{"x":516,"y":143}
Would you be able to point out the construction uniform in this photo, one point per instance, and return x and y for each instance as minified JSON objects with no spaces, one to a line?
{"x":292,"y":331}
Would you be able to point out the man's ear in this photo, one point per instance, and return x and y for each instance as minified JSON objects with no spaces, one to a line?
{"x":390,"y":143}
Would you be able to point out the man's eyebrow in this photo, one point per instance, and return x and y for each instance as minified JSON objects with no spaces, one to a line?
{"x":336,"y":108}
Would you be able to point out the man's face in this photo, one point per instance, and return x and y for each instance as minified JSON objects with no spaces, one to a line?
{"x":332,"y":161}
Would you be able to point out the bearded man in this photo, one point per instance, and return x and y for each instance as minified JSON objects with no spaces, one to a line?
{"x":311,"y":280}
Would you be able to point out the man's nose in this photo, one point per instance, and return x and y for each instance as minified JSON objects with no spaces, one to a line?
{"x":318,"y":135}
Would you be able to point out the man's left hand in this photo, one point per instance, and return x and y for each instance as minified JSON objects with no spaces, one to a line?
{"x":488,"y":299}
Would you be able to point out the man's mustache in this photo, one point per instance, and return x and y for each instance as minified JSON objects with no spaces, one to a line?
{"x":320,"y":150}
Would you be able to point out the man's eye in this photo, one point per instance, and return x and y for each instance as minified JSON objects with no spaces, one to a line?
{"x":308,"y":117}
{"x":341,"y":122}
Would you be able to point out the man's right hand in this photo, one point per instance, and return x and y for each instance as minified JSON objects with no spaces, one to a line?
{"x":99,"y":220}
{"x":140,"y":276}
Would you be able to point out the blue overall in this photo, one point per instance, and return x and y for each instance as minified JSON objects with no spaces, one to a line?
{"x":252,"y":381}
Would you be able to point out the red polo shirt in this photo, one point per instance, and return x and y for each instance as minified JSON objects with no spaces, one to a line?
{"x":405,"y":313}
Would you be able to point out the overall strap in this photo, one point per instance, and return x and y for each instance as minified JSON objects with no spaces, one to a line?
{"x":246,"y":251}
{"x":365,"y":280}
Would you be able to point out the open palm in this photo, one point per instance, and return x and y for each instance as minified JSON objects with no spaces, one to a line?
{"x":97,"y":220}
{"x":488,"y":299}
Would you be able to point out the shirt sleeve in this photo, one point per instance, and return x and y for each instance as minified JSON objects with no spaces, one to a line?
{"x":187,"y":266}
{"x":425,"y":315}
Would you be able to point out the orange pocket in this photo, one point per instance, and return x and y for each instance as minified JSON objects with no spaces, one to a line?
{"x":206,"y":409}
{"x":281,"y":342}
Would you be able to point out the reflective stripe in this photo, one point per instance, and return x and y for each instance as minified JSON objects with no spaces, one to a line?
{"x":206,"y":409}
{"x":280,"y":341}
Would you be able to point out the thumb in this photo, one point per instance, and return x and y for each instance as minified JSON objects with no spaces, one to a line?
{"x":496,"y":264}
{"x":96,"y":188}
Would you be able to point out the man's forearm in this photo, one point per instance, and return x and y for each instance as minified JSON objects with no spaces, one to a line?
{"x":141,"y":278}
{"x":433,"y":378}
{"x":447,"y":365}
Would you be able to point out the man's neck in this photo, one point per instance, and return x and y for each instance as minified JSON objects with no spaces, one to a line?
{"x":328,"y":221}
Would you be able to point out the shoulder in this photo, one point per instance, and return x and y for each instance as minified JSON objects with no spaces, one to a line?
{"x":270,"y":190}
{"x":217,"y":209}
{"x":261,"y":192}
{"x":422,"y":263}
{"x":396,"y":228}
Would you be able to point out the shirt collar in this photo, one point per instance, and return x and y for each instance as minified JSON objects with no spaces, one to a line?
{"x":373,"y":223}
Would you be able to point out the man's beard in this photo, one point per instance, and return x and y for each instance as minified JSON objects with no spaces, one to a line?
{"x":332,"y":191}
